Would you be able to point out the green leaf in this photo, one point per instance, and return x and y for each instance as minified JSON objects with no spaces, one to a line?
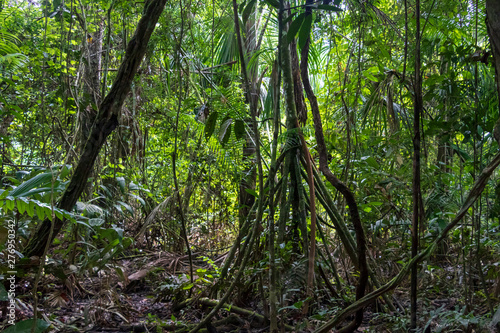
{"x":48,"y":212}
{"x":127,"y":241}
{"x":21,"y":205}
{"x":121,"y":183}
{"x":252,"y":192}
{"x":59,"y":213}
{"x":141,"y":200}
{"x":188,"y":286}
{"x":3,"y":293}
{"x":239,"y":128}
{"x":40,"y":212}
{"x":127,"y":207}
{"x":25,"y":326}
{"x":56,"y":4}
{"x":109,"y":247}
{"x":289,"y":18}
{"x":461,"y":152}
{"x":240,"y":7}
{"x":273,"y":3}
{"x":370,"y":76}
{"x":118,"y":208}
{"x":305,"y":31}
{"x":10,"y":204}
{"x":248,"y":10}
{"x":120,"y":273}
{"x":3,"y":194}
{"x":330,"y":7}
{"x":294,"y":27}
{"x":68,"y":215}
{"x":94,"y":222}
{"x":41,"y":179}
{"x":65,"y":171}
{"x":371,"y":161}
{"x":225,"y":131}
{"x":442,"y":224}
{"x":31,"y":209}
{"x":210,"y":124}
{"x":39,"y":190}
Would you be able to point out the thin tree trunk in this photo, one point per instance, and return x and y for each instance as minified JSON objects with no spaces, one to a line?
{"x":302,"y":117}
{"x":174,"y":155}
{"x":341,"y":187}
{"x":298,"y":90}
{"x":417,"y":111}
{"x":91,"y":84}
{"x":106,"y":122}
{"x":246,"y":200}
{"x":493,"y":24}
{"x":273,"y":298}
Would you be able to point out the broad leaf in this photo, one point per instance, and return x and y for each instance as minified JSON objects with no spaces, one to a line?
{"x":225,"y":131}
{"x":273,"y":3}
{"x":294,"y":27}
{"x":305,"y":31}
{"x":239,"y":128}
{"x":210,"y":125}
{"x":252,"y":192}
{"x":248,"y":10}
{"x":26,"y":325}
{"x":36,"y":181}
{"x":330,"y":7}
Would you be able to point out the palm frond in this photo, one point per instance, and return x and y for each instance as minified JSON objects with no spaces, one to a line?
{"x":151,"y":217}
{"x":11,"y":57}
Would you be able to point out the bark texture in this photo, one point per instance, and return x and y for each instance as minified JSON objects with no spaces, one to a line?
{"x":91,"y":84}
{"x":416,"y":217}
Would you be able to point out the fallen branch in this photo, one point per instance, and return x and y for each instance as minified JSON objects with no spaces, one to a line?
{"x":257,"y":317}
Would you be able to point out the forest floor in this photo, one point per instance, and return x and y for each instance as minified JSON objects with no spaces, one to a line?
{"x":151,"y":292}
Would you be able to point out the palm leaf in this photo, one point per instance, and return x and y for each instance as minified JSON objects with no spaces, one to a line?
{"x":39,"y":180}
{"x":11,"y":58}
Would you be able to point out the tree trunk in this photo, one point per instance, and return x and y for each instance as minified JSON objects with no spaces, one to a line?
{"x":493,"y":24}
{"x":246,"y":51}
{"x":106,"y":122}
{"x":91,"y":92}
{"x":340,"y":186}
{"x":91,"y":84}
{"x":416,"y":219}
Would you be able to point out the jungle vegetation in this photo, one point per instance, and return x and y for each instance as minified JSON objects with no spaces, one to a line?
{"x":250,"y":165}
